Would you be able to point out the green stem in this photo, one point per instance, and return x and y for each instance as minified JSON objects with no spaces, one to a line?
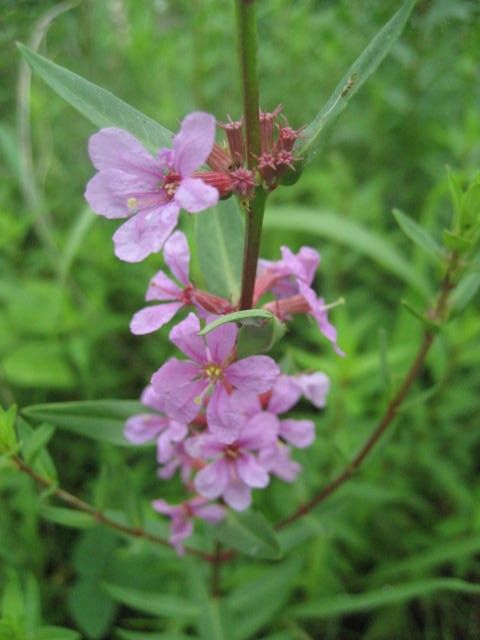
{"x":253,"y":233}
{"x":247,"y":49}
{"x":247,"y":46}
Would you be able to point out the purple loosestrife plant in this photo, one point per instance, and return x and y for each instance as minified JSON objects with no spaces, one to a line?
{"x":221,"y":417}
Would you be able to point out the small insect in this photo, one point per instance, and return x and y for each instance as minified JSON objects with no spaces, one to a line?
{"x":349,"y":85}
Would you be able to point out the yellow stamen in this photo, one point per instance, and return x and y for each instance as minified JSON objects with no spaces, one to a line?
{"x":132,"y":203}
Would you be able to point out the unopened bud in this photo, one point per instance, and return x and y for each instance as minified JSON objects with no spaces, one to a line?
{"x":219,"y":159}
{"x":234,"y":132}
{"x":221,"y":181}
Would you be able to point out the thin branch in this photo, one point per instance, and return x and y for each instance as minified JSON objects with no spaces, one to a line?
{"x":99,"y":516}
{"x":436,"y":316}
{"x":216,"y":566}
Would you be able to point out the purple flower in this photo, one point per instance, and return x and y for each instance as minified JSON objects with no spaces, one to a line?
{"x":182,"y":385}
{"x":182,"y":517}
{"x":282,"y":277}
{"x":151,"y":190}
{"x":145,"y":427}
{"x":173,"y":297}
{"x":276,"y":460}
{"x":318,"y":310}
{"x":235,"y":469}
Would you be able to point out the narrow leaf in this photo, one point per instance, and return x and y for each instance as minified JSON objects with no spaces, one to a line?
{"x":255,"y":603}
{"x":465,"y":290}
{"x":359,"y":72}
{"x":98,"y":105}
{"x":102,"y":420}
{"x":66,"y":517}
{"x":159,"y":604}
{"x":219,"y":241}
{"x":344,"y":231}
{"x":250,"y":533}
{"x":418,"y":235}
{"x":36,"y":441}
{"x":345,"y":603}
{"x":237,"y":316}
{"x":56,"y":633}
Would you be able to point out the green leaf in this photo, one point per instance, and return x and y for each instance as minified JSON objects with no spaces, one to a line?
{"x":255,"y":603}
{"x":219,"y":240}
{"x":123,"y":634}
{"x":102,"y":420}
{"x":346,"y":232}
{"x":347,"y":604}
{"x":38,"y":439}
{"x":418,"y":235}
{"x":213,"y":622}
{"x":465,"y":291}
{"x":359,"y":72}
{"x":456,"y":242}
{"x":39,"y":364}
{"x":66,"y":517}
{"x":57,"y":633}
{"x":254,"y":339}
{"x":237,"y":316}
{"x":98,"y":105}
{"x":250,"y":533}
{"x":419,"y":315}
{"x":92,"y":608}
{"x":42,"y":462}
{"x":8,"y":437}
{"x":158,"y":604}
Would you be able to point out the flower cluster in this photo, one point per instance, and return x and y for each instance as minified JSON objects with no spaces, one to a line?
{"x":217,"y":419}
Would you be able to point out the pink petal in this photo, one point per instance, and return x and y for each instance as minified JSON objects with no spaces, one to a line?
{"x":212,"y":479}
{"x":113,"y":148}
{"x":315,"y":387}
{"x":194,"y":195}
{"x":177,"y":256}
{"x":300,"y":433}
{"x":255,"y":373}
{"x":211,"y":512}
{"x":285,"y":394}
{"x":185,"y":336}
{"x":221,"y":342}
{"x":184,"y":403}
{"x":251,"y":472}
{"x":237,"y":495}
{"x":180,"y":530}
{"x":152,"y":318}
{"x":162,"y":288}
{"x":172,"y":375}
{"x":194,"y":142}
{"x":145,"y":233}
{"x":163,"y":507}
{"x":260,"y":431}
{"x":108,"y":192}
{"x":144,"y":427}
{"x":151,"y":399}
{"x":223,"y":419}
{"x":277,"y":461}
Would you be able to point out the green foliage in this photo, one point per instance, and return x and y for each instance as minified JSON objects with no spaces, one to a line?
{"x":250,"y":533}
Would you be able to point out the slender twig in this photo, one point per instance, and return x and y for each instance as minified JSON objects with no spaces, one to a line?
{"x":100,"y":517}
{"x":436,"y":316}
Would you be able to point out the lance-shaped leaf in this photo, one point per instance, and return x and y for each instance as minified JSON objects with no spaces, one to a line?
{"x":98,"y":105}
{"x":102,"y":420}
{"x":250,"y":533}
{"x":359,"y":72}
{"x":238,"y":316}
{"x":419,"y":236}
{"x":219,"y":245}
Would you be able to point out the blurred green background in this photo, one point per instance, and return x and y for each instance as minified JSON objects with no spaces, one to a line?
{"x":412,"y":514}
